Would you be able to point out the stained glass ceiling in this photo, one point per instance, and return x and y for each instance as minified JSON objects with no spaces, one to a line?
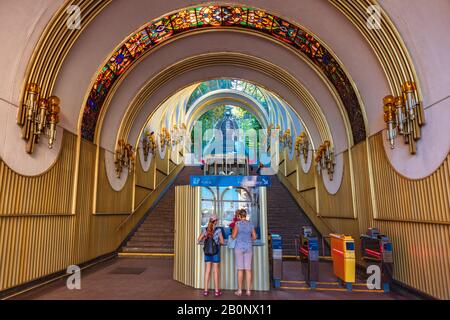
{"x":159,"y":31}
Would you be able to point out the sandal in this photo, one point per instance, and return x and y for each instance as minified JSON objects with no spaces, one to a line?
{"x":248,"y":293}
{"x":205,"y":293}
{"x":218,"y":293}
{"x":238,"y":293}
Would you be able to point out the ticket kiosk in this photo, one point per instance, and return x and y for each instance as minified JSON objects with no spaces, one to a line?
{"x":221,"y":196}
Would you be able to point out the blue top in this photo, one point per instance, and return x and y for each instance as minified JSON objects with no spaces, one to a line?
{"x":244,"y":235}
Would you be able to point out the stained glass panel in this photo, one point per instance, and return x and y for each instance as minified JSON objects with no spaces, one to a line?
{"x":259,"y":19}
{"x":224,"y":16}
{"x":138,"y":43}
{"x":284,"y":30}
{"x":184,"y":20}
{"x":209,"y":16}
{"x":160,"y":30}
{"x":232,"y":15}
{"x":120,"y":60}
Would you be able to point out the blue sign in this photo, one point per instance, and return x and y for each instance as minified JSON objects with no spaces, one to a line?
{"x":231,"y":181}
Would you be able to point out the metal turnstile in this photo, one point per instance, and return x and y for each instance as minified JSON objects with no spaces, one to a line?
{"x":309,"y":256}
{"x":376,"y":249}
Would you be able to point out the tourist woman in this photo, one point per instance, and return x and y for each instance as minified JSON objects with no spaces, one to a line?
{"x":244,"y":233}
{"x":213,"y":239}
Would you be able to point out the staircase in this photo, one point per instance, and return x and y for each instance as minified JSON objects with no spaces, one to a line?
{"x":285,"y":217}
{"x":155,"y":235}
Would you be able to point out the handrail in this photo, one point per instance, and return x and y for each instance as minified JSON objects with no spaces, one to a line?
{"x":134,"y":211}
{"x":140,"y":205}
{"x":313,"y":210}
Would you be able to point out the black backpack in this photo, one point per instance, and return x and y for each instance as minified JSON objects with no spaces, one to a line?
{"x":210,"y":248}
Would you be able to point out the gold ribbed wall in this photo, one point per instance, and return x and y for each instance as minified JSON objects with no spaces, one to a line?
{"x":187,"y":209}
{"x":189,"y":259}
{"x":38,"y":233}
{"x":20,"y":195}
{"x":108,"y":199}
{"x":424,"y":200}
{"x":341,"y":203}
{"x":415,"y":214}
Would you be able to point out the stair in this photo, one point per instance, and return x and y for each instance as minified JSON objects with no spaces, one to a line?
{"x":285,"y":217}
{"x":156,"y":234}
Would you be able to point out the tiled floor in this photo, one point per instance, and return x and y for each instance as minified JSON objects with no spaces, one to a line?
{"x":142,"y":279}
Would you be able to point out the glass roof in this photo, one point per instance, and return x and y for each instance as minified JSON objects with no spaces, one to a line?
{"x":231,"y":84}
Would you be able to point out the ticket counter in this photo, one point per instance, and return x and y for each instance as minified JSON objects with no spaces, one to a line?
{"x":193,"y":207}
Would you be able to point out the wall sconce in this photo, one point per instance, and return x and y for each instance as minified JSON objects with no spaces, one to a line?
{"x":178,"y":134}
{"x":148,"y":144}
{"x":286,"y":139}
{"x":124,"y":157}
{"x":325,"y":159}
{"x":302,"y":146}
{"x":164,"y":138}
{"x":404,"y":115}
{"x":38,"y":116}
{"x":182,"y":131}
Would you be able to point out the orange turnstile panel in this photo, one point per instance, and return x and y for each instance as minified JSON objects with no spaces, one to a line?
{"x":343,"y":255}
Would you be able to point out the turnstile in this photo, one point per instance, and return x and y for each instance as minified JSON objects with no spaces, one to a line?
{"x":309,"y":256}
{"x":376,"y":249}
{"x":277,"y":259}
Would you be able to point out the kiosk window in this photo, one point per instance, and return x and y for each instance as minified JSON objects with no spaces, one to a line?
{"x":224,"y":201}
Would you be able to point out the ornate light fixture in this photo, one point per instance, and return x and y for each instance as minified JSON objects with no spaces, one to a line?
{"x":148,"y":144}
{"x":286,"y":139}
{"x":178,"y":134}
{"x":302,"y":146}
{"x":164,"y":138}
{"x":124,"y":157}
{"x":38,"y":116}
{"x":325,"y":159}
{"x":404,"y":115}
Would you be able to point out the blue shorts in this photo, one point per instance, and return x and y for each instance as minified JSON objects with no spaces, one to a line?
{"x":214,"y":259}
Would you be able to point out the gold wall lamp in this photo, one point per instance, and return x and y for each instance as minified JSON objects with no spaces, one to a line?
{"x":286,"y":139}
{"x":164,"y":138}
{"x":404,"y":115}
{"x":302,"y":146}
{"x":325,"y":159}
{"x":38,"y":116}
{"x":178,"y":134}
{"x":124,"y":157}
{"x":148,"y":144}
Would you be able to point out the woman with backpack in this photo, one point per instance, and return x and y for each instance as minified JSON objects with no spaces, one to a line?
{"x":213,"y":239}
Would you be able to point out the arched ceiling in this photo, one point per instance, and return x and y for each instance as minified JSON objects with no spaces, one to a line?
{"x":67,"y":62}
{"x":191,"y":103}
{"x":207,"y":18}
